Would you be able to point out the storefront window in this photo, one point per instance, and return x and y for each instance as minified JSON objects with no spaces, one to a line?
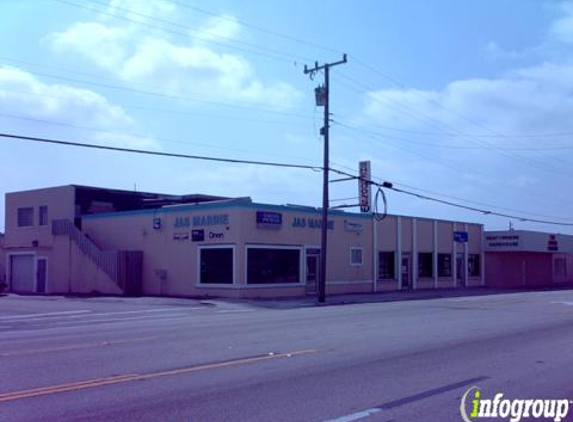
{"x":273,"y":265}
{"x":473,"y":265}
{"x":386,"y":265}
{"x":444,"y":265}
{"x":216,"y":265}
{"x":425,"y":264}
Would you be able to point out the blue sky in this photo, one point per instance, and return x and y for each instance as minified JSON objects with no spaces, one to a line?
{"x":465,"y":101}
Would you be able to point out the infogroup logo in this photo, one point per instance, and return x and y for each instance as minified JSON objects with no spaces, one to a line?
{"x":473,"y":406}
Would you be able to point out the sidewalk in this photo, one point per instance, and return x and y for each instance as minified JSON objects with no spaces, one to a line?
{"x":379,"y":297}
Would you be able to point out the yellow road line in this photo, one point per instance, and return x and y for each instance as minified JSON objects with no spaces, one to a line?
{"x":72,"y":347}
{"x":100,"y":382}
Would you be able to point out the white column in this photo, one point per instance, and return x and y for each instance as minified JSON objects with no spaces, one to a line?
{"x":482,"y":257}
{"x":454,"y":257}
{"x":398,"y":255}
{"x":435,"y":255}
{"x":374,"y":255}
{"x":466,"y":247}
{"x":414,"y":269}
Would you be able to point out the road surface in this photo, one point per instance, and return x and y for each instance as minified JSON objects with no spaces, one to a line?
{"x":112,"y":359}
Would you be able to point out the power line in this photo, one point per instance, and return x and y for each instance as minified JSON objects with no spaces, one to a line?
{"x":282,"y":165}
{"x":430,"y":121}
{"x":158,"y":153}
{"x":434,"y":160}
{"x":167,"y":96}
{"x":187,"y":35}
{"x":258,"y":28}
{"x":389,"y":185}
{"x":457,"y":198}
{"x":136,"y":136}
{"x":166,"y":111}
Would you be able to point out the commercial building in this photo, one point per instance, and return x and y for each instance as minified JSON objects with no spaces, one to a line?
{"x":78,"y":239}
{"x":520,"y":258}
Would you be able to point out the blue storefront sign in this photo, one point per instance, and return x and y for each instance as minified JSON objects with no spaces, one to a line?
{"x":269,"y":220}
{"x":197,"y":235}
{"x":460,"y":236}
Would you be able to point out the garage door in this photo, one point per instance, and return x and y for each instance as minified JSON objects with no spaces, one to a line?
{"x":22,"y":273}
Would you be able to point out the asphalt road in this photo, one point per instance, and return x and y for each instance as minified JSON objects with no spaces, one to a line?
{"x":183,"y":360}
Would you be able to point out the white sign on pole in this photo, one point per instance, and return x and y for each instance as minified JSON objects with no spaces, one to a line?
{"x":364,"y":186}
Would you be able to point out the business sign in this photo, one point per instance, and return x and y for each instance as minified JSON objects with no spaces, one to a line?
{"x":351,"y":226}
{"x":180,"y":236}
{"x":460,"y":236}
{"x":269,"y":220}
{"x":202,"y":221}
{"x":197,"y":235}
{"x":313,"y":223}
{"x":157,"y":224}
{"x":364,"y":186}
{"x":503,"y":241}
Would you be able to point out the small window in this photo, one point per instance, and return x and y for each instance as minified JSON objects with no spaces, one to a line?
{"x":474,"y":269}
{"x":355,"y":256}
{"x":425,"y":265}
{"x":444,"y":265}
{"x":273,"y":265}
{"x":25,"y":217}
{"x":386,"y":265}
{"x":560,"y":267}
{"x":43,"y":215}
{"x":216,"y":266}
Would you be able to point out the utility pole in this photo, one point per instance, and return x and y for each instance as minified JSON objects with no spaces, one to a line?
{"x":322,"y":95}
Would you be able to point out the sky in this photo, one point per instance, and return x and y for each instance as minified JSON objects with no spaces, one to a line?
{"x":469,"y":102}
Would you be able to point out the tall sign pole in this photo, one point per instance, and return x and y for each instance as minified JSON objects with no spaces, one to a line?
{"x":322,"y":95}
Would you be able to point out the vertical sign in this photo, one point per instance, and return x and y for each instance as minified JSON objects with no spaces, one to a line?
{"x":364,"y":187}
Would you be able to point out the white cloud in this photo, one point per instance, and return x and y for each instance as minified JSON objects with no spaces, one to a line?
{"x":562,"y":29}
{"x":28,"y":105}
{"x":24,"y":94}
{"x":535,"y":99}
{"x":224,"y":26}
{"x":133,"y":9}
{"x":102,"y":44}
{"x":142,"y":55}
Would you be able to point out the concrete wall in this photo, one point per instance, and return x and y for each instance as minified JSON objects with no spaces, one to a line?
{"x":518,"y":269}
{"x":2,"y":260}
{"x":170,"y":250}
{"x":60,"y":203}
{"x":407,"y":235}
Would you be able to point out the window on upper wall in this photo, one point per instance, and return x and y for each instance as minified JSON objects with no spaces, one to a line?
{"x":386,"y":265}
{"x":474,"y":268}
{"x":216,"y":265}
{"x":25,"y":217}
{"x":43,"y":215}
{"x":356,"y":257}
{"x":273,"y":265}
{"x":444,"y":265}
{"x":425,"y":264}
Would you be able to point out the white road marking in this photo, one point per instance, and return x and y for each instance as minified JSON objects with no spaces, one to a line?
{"x":49,"y":314}
{"x":232,"y":311}
{"x":355,"y":416}
{"x":562,"y":303}
{"x":41,"y":317}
